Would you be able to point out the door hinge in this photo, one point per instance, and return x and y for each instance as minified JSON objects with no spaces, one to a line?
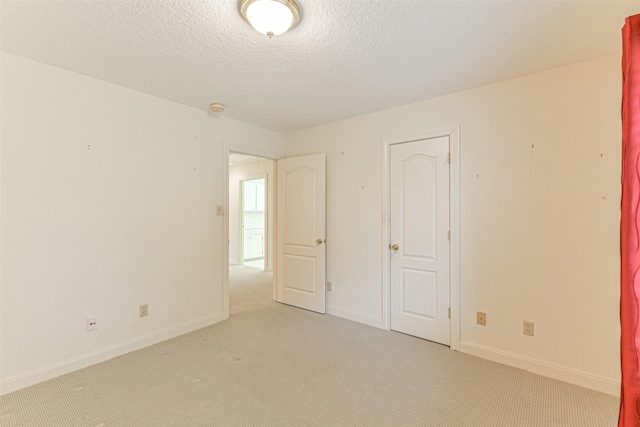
{"x":449,"y":158}
{"x":449,"y":312}
{"x":449,"y":235}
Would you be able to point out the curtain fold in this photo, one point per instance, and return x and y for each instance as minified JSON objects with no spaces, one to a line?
{"x":630,"y":226}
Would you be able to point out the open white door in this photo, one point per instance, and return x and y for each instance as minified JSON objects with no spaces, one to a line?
{"x":419,"y":188}
{"x":300,"y":274}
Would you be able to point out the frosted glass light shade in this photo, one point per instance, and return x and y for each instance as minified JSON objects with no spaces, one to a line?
{"x":270,"y":17}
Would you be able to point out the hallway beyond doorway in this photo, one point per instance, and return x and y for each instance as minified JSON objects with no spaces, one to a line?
{"x":250,"y":288}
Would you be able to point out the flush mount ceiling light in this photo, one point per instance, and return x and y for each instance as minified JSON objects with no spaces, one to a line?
{"x":270,"y":17}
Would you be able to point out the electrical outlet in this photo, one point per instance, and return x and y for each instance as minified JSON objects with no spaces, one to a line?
{"x":92,"y":323}
{"x":144,"y":310}
{"x":481,"y":318}
{"x":527,"y":328}
{"x":329,"y":286}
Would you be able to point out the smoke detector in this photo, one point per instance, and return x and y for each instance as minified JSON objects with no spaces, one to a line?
{"x":216,"y":107}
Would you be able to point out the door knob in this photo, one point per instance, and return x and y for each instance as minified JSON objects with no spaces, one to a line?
{"x":319,"y":241}
{"x":394,"y":247}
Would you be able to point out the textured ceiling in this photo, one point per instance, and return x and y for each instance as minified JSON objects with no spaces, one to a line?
{"x":345,"y":58}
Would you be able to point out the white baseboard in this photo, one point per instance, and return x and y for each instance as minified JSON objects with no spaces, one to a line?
{"x":18,"y":382}
{"x":572,"y":376}
{"x":376,"y":322}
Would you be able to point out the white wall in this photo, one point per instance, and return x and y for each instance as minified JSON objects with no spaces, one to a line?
{"x":108,"y":202}
{"x":109,"y":196}
{"x":540,"y":193}
{"x":241,"y":172}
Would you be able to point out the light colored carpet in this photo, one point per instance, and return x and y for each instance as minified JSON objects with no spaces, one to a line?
{"x":275,"y":365}
{"x":250,"y":288}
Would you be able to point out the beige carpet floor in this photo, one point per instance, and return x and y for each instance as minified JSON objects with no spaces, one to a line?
{"x":275,"y":365}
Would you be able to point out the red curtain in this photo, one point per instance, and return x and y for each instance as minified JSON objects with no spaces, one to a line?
{"x":630,"y":226}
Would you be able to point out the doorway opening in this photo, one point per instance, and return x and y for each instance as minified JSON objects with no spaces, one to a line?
{"x":250,"y":209}
{"x":253,"y":224}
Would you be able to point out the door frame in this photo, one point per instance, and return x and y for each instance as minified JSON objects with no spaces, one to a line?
{"x":249,"y":151}
{"x":453,"y":132}
{"x":265,"y":227}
